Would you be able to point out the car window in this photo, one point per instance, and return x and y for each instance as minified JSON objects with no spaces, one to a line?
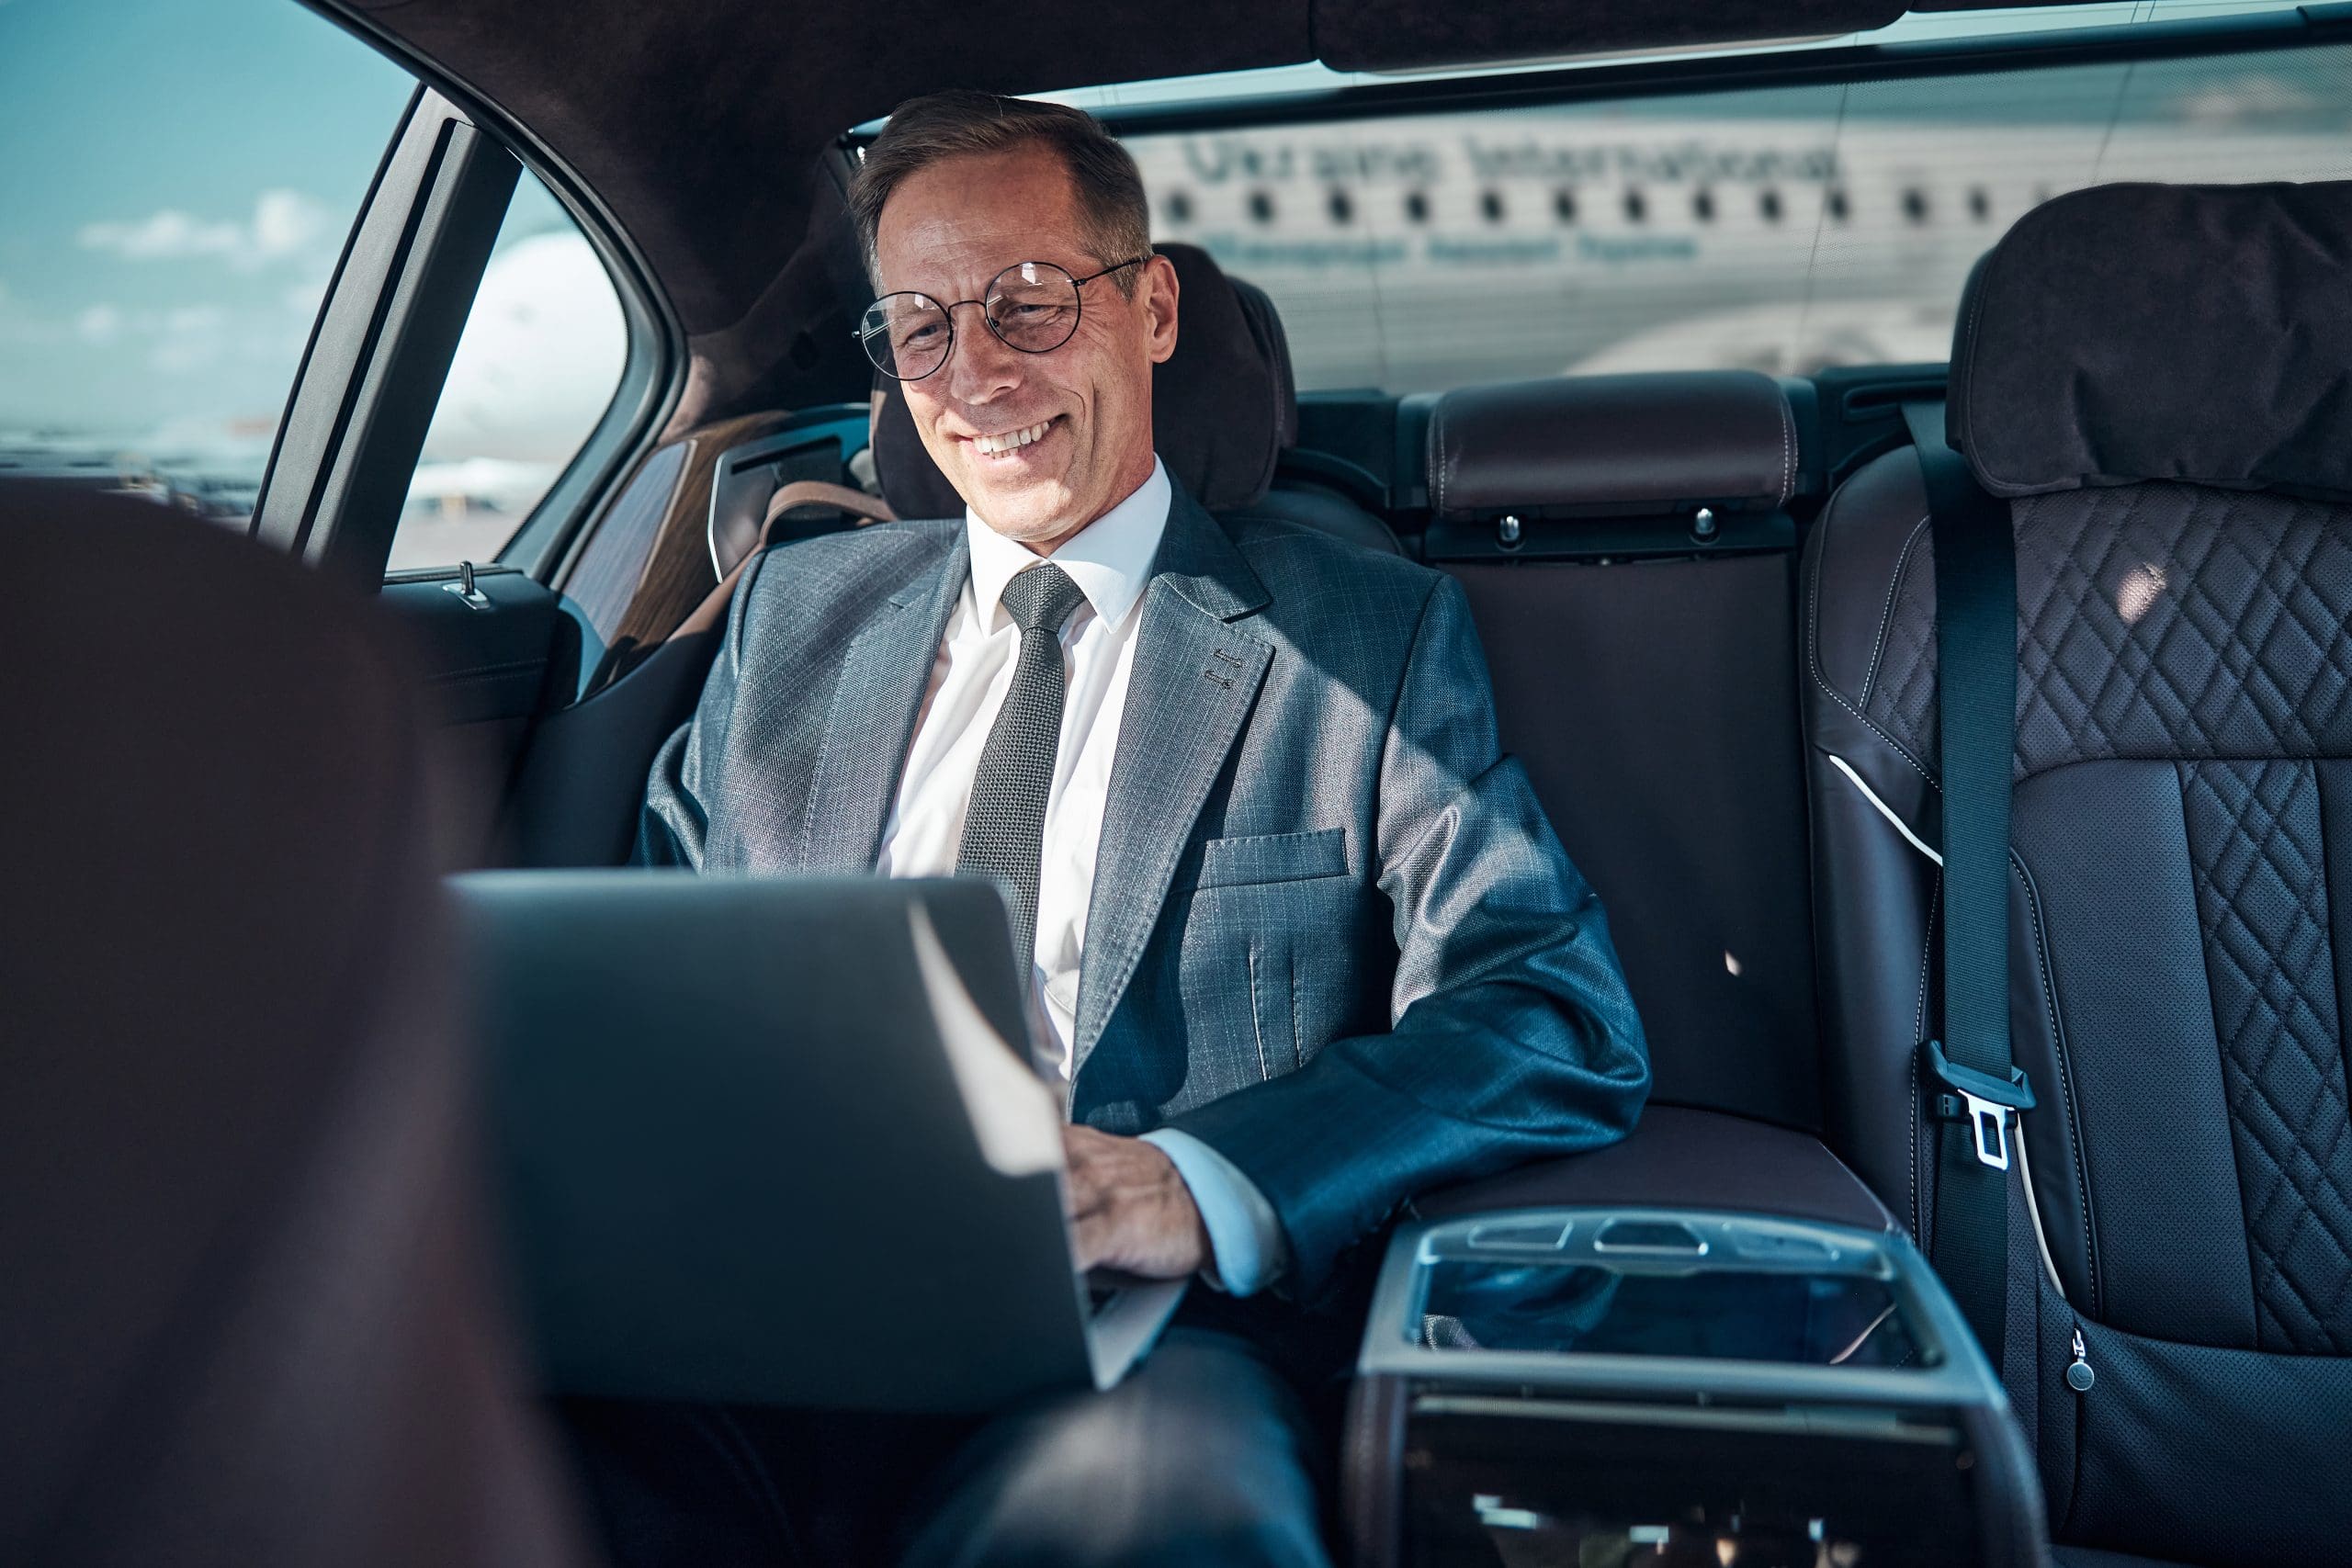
{"x":1785,"y":229}
{"x":179,"y":179}
{"x":541,"y":355}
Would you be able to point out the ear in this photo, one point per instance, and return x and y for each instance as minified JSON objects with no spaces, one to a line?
{"x":1156,"y":294}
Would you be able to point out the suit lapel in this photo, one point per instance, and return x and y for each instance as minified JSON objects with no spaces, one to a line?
{"x":871,"y":724}
{"x":1195,"y":677}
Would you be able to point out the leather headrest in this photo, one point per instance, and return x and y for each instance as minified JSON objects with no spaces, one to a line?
{"x":1221,"y":406}
{"x":2153,"y":332}
{"x":1620,"y":446}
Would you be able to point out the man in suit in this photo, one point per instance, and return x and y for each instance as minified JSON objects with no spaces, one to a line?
{"x":1303,"y":943}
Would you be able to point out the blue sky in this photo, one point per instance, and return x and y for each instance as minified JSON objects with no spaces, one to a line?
{"x":178,"y":179}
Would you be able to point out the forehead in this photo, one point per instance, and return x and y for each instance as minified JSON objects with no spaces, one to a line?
{"x":950,"y":226}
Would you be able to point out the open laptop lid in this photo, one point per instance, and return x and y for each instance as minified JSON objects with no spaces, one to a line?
{"x":761,"y":1140}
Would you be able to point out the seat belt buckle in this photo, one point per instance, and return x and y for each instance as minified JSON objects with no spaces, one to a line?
{"x":1988,"y":1103}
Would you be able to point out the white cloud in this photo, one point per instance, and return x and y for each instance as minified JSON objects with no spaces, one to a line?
{"x":165,"y":234}
{"x":285,"y":224}
{"x":177,"y":341}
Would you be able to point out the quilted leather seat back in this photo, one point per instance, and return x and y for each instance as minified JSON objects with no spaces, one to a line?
{"x":2182,"y":966}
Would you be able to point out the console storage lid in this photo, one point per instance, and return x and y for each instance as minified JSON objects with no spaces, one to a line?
{"x":1678,"y":1159}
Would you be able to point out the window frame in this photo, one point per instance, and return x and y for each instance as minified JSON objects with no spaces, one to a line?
{"x":653,"y":367}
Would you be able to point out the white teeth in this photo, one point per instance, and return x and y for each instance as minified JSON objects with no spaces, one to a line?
{"x":993,"y":446}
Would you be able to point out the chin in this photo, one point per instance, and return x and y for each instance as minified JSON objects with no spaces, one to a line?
{"x":1022,"y":512}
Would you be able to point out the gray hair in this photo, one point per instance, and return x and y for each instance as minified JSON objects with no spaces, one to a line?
{"x":1113,"y":217}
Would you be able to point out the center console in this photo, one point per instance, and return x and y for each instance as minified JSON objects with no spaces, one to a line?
{"x":1707,"y":1344}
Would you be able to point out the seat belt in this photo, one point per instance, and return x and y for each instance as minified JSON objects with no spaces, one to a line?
{"x":711,"y":614}
{"x":1976,"y":673}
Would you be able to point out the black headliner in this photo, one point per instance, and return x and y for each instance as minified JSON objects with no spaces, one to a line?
{"x":701,"y":128}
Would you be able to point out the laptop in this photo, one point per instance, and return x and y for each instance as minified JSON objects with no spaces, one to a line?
{"x":777,"y":1141}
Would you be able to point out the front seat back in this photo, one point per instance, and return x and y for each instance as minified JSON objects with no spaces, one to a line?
{"x":246,"y":1314}
{"x":2155,"y":380}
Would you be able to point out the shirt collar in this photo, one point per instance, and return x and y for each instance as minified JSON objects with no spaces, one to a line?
{"x":1110,"y":558}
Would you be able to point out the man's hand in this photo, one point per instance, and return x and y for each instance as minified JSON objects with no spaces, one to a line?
{"x":1129,"y":1208}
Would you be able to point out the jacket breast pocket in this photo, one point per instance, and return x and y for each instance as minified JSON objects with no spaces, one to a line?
{"x":1273,"y":857}
{"x":1263,"y":907}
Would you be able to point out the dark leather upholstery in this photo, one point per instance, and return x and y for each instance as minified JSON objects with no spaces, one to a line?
{"x":1654,"y":705}
{"x":1680,"y":1158}
{"x":1224,"y":409}
{"x":1654,"y":709}
{"x":1614,"y":445}
{"x":245,"y":1316}
{"x":2182,"y":844}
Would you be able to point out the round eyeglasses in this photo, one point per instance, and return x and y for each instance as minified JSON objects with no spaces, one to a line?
{"x":1029,"y":306}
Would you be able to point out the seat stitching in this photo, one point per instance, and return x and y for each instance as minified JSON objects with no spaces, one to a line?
{"x":1919,"y":1033}
{"x":1788,"y":447}
{"x":1886,"y":614}
{"x":2065,"y":1079}
{"x":1813,"y":652}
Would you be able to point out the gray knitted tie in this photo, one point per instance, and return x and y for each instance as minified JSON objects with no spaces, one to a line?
{"x":1004,"y":828}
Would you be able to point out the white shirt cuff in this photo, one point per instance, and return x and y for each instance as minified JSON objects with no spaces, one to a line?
{"x":1245,"y":1237}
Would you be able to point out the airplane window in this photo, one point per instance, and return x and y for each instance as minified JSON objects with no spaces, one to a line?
{"x":1872,"y":201}
{"x":1180,"y":207}
{"x":156,"y":292}
{"x":1262,"y":206}
{"x":539,"y":359}
{"x":1343,"y":210}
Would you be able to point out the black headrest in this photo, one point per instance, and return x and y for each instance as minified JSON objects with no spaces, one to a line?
{"x":1222,"y":407}
{"x":1622,"y":446}
{"x":2147,"y":332}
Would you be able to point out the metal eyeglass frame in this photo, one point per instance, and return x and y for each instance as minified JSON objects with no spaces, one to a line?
{"x":1078,"y":290}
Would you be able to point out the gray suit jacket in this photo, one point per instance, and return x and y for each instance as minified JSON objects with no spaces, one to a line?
{"x":1332,"y":935}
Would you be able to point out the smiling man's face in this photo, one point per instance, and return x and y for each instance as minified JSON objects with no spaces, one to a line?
{"x":1038,"y":444}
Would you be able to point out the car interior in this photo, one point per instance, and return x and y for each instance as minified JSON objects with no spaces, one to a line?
{"x":1708,"y":599}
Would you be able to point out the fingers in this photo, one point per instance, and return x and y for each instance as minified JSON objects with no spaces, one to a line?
{"x":1089,"y":1242}
{"x":1129,"y":1207}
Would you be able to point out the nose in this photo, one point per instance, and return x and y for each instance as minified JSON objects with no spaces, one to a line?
{"x":980,"y":367}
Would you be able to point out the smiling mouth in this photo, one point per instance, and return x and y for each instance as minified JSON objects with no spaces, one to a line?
{"x":1012,"y":440}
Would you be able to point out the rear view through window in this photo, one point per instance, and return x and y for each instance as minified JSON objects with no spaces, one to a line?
{"x":182,"y":176}
{"x":1785,"y":229}
{"x":179,"y":178}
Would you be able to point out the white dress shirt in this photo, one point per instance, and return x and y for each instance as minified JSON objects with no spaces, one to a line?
{"x":1109,"y":560}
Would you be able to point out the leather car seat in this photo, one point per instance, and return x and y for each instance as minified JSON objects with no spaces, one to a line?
{"x":2153,"y":378}
{"x":247,"y":1314}
{"x":1224,"y":410}
{"x":1653,"y":701}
